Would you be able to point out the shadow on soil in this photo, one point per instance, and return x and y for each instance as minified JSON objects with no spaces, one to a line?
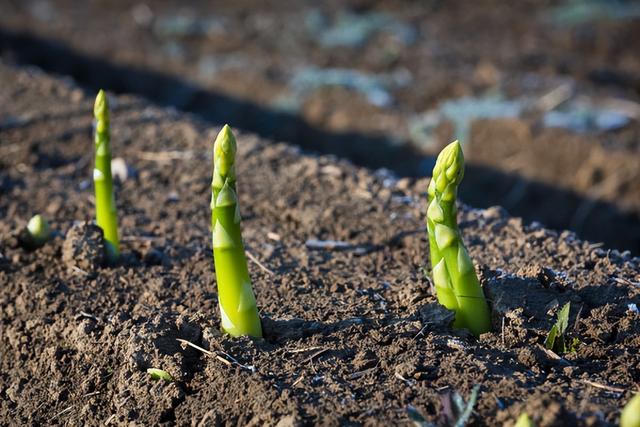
{"x":483,"y":187}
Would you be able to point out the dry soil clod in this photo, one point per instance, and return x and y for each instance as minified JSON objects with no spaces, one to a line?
{"x":84,"y":247}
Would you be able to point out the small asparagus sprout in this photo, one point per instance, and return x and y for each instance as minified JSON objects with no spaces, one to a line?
{"x":38,"y":231}
{"x":524,"y":421}
{"x":159,"y":374}
{"x":630,"y":416}
{"x":106,"y":215}
{"x":455,"y":280}
{"x":236,"y":299}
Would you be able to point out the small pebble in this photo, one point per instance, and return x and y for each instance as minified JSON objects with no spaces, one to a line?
{"x":173,"y":197}
{"x":403,"y":184}
{"x":121,"y":171}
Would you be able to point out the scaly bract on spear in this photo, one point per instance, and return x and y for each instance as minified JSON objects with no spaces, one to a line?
{"x":235,"y":295}
{"x":454,"y":277}
{"x":106,"y":214}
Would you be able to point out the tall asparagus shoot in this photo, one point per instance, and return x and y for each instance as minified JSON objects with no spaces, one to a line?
{"x":106,"y":215}
{"x":236,"y":299}
{"x":455,"y":280}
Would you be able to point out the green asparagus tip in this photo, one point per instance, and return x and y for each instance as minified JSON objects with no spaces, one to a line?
{"x":524,"y":421}
{"x":159,"y":374}
{"x":101,"y":105}
{"x":224,"y":150}
{"x":449,"y":169}
{"x":630,"y":416}
{"x":101,"y":110}
{"x":38,"y":228}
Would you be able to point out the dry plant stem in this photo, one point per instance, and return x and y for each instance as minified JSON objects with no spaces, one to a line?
{"x":454,"y":277}
{"x":236,"y":299}
{"x":106,"y":215}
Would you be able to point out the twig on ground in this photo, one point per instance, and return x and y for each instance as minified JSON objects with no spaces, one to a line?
{"x":197,"y":347}
{"x":338,"y":245}
{"x":424,"y":328}
{"x":316,"y":354}
{"x":229,"y":361}
{"x":554,"y":97}
{"x":603,"y":386}
{"x":84,"y":314}
{"x":258,"y":263}
{"x":164,"y":156}
{"x":93,"y":393}
{"x":124,"y":401}
{"x":141,"y":238}
{"x":403,"y":379}
{"x":302,"y":350}
{"x":64,"y":411}
{"x":359,"y":374}
{"x":296,"y":382}
{"x":575,"y":324}
{"x":79,"y":270}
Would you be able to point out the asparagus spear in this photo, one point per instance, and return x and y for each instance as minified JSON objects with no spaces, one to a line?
{"x":630,"y":416}
{"x":38,"y":230}
{"x":457,"y":285}
{"x":35,"y":234}
{"x":236,"y":299}
{"x":106,"y":216}
{"x":524,"y":421}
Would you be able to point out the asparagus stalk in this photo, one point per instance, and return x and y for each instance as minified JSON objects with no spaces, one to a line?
{"x":524,"y":421}
{"x":455,"y":280}
{"x":236,"y":299}
{"x":106,"y":215}
{"x":630,"y":416}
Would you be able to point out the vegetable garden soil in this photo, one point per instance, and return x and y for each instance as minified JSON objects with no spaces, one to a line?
{"x":352,"y":333}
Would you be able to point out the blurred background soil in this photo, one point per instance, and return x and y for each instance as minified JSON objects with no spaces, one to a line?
{"x":544,"y":95}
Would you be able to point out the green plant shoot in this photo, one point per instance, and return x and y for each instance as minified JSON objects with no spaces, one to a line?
{"x":455,"y":412}
{"x":159,"y":374}
{"x":557,"y":339}
{"x":454,"y":277}
{"x":106,"y":214}
{"x":630,"y":416}
{"x":38,"y":231}
{"x":524,"y":421}
{"x":237,"y":302}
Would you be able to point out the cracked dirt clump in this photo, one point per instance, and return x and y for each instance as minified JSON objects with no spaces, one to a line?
{"x":84,"y":247}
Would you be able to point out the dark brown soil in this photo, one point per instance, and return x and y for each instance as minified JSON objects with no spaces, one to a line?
{"x":352,"y":336}
{"x":234,"y":61}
